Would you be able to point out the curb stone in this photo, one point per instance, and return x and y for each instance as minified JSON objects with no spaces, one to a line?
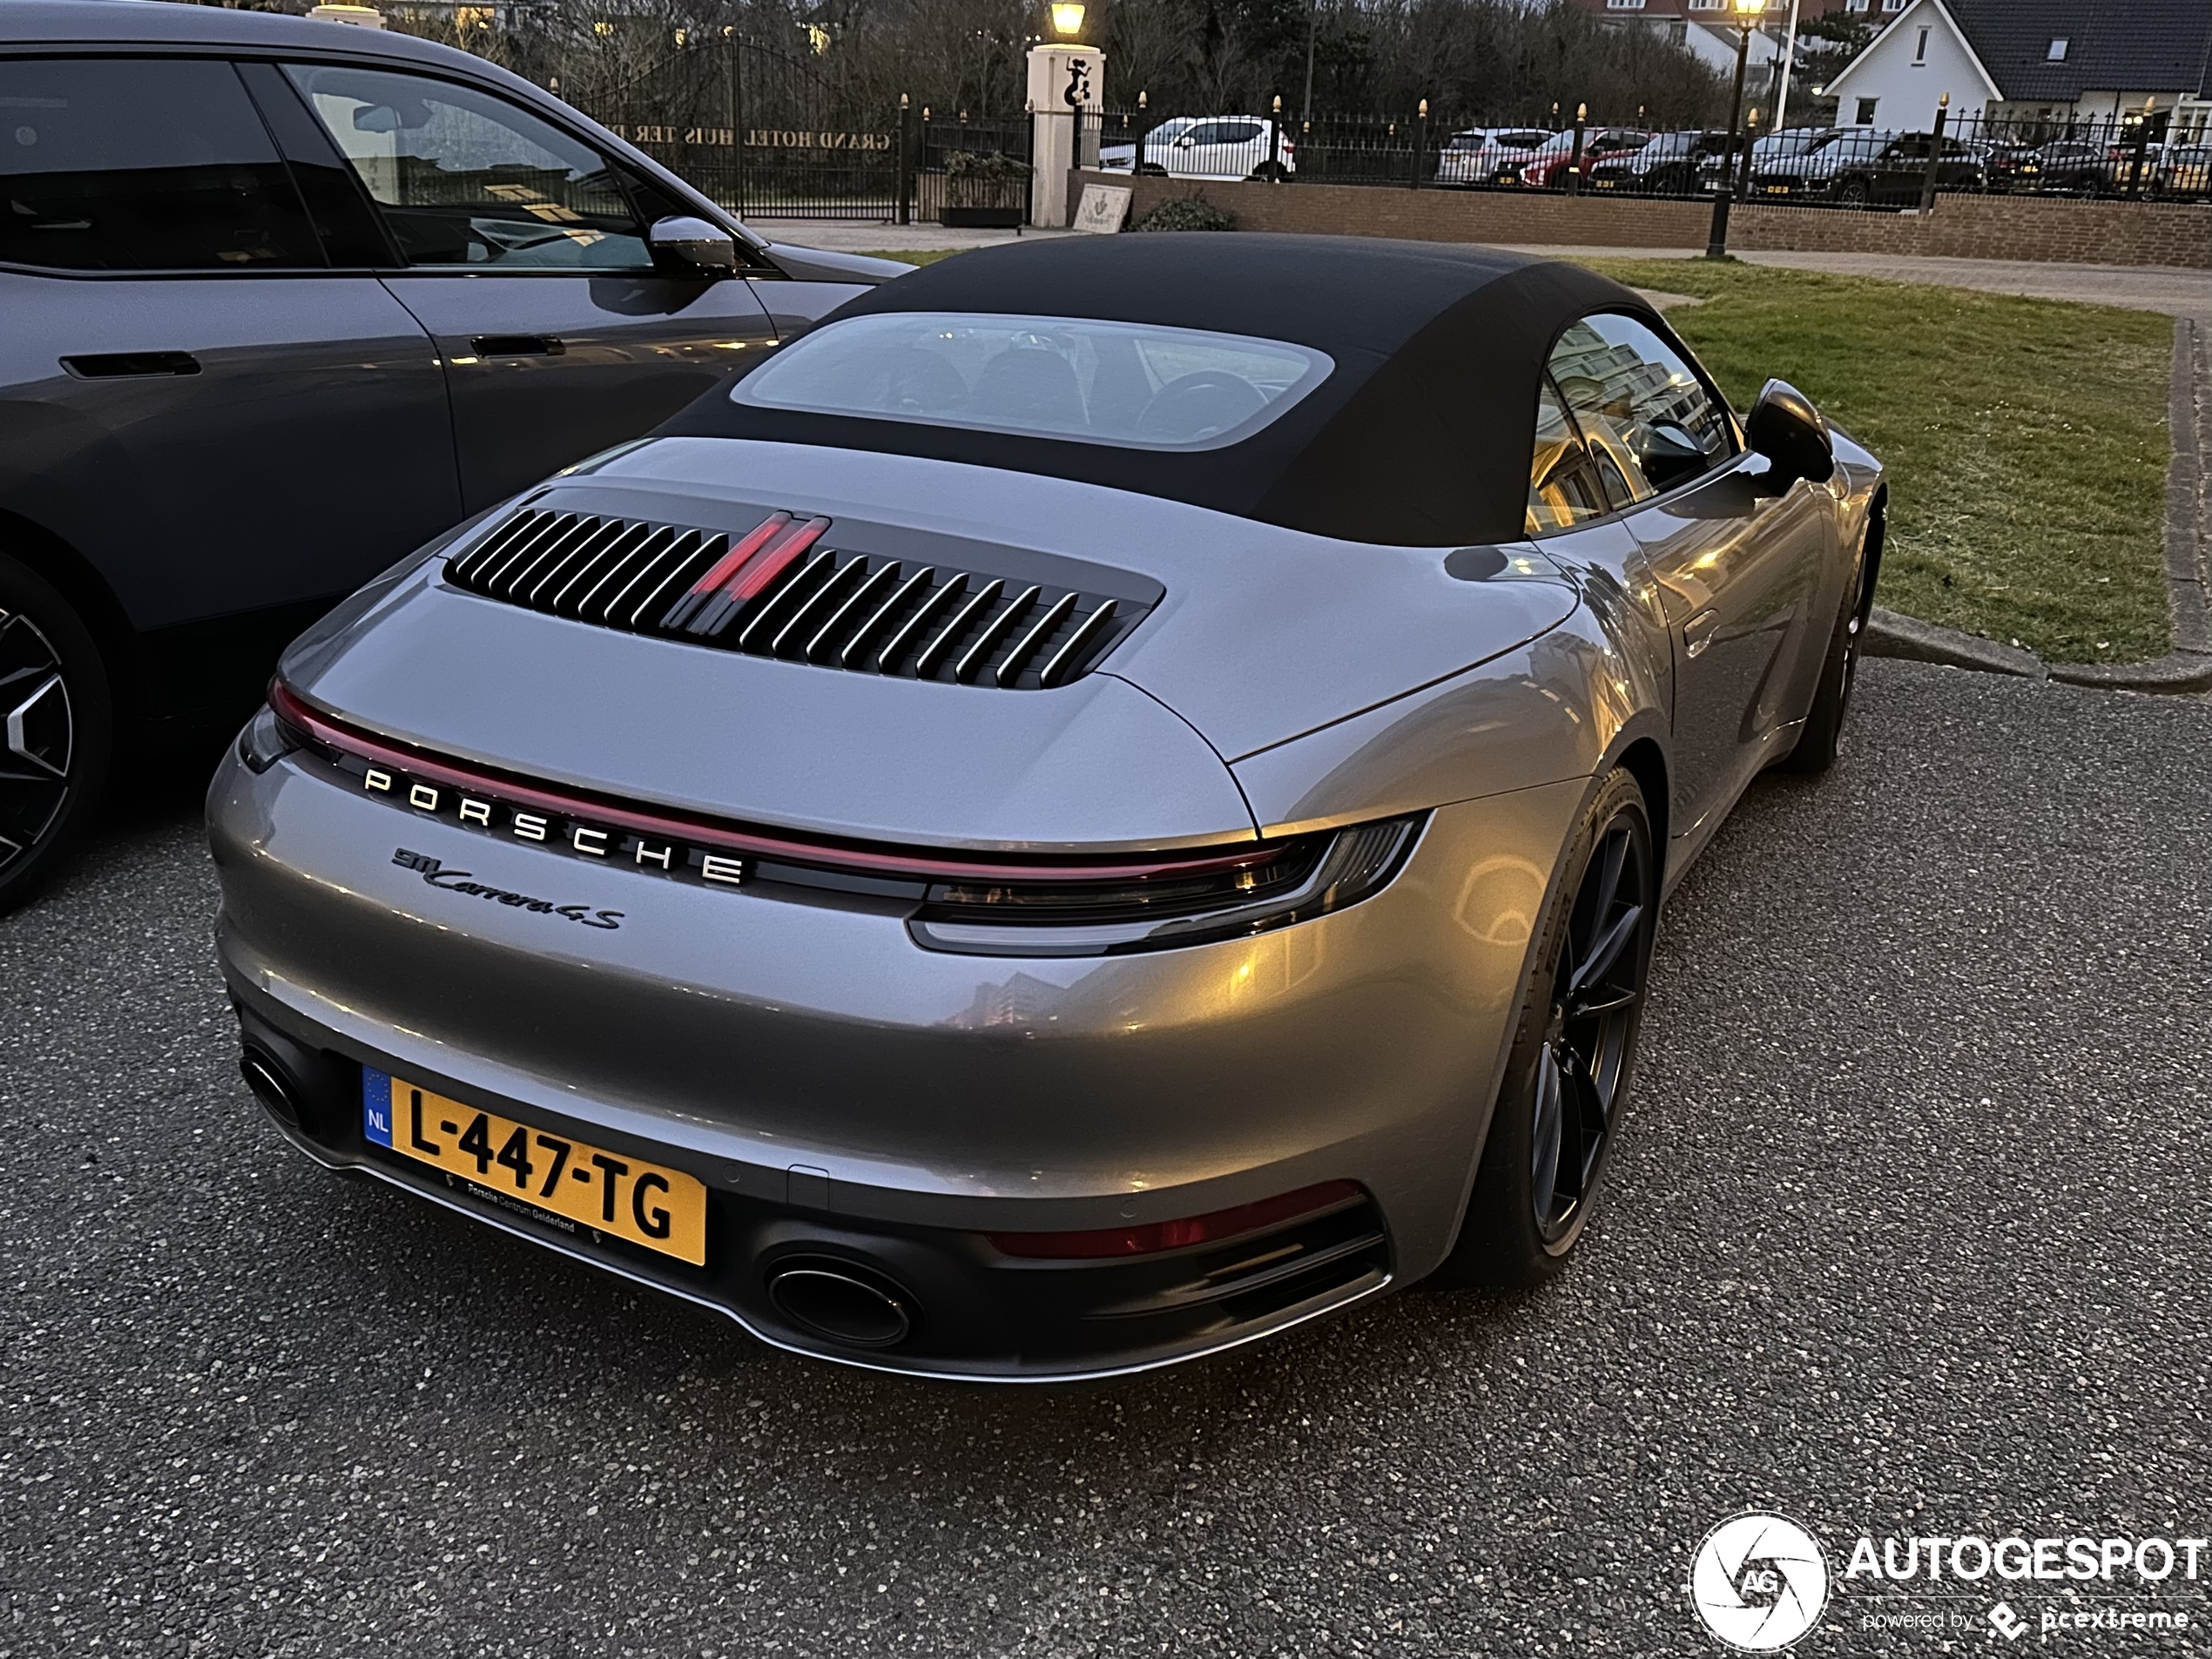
{"x":2188,"y":667}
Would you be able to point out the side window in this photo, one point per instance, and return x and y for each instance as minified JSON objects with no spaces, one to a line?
{"x":141,"y":164}
{"x":1650,"y":422}
{"x":468,"y":180}
{"x":1563,"y":487}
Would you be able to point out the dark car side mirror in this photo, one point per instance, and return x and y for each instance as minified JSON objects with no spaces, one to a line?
{"x":704,"y":249}
{"x":1786,"y":429}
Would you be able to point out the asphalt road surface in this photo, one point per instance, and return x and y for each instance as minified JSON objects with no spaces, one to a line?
{"x":1910,"y":1234}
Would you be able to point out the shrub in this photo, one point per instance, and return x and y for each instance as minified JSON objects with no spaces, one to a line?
{"x":985,"y":178}
{"x":1192,"y":213}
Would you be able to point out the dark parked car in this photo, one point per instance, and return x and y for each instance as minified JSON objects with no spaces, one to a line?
{"x":1674,"y":163}
{"x":2069,"y":164}
{"x":285,"y":299}
{"x":1870,"y":169}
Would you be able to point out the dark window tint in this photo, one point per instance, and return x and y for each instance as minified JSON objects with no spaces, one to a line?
{"x":466,"y":179}
{"x":141,"y":164}
{"x":1563,"y":488}
{"x":1650,"y":422}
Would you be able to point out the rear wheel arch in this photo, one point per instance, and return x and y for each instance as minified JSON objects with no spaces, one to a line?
{"x":74,"y":576}
{"x":1645,"y":761}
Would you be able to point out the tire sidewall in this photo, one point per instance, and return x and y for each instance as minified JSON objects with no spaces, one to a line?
{"x":92,"y":721}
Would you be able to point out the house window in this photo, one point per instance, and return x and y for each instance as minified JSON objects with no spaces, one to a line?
{"x":2057,"y":54}
{"x":1866,"y":117}
{"x":1920,"y":47}
{"x":1893,"y":5}
{"x":1854,"y":5}
{"x":1624,"y":5}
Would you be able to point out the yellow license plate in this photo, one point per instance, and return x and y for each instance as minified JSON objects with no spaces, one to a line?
{"x":532,"y":1172}
{"x":1778,"y":189}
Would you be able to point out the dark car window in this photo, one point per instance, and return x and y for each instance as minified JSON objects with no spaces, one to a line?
{"x":1563,"y":487}
{"x":141,"y":164}
{"x":1651,"y":421}
{"x":467,"y":180}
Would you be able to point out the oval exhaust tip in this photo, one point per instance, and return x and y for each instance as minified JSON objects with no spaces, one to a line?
{"x":839,"y":1305}
{"x":270,"y":1087}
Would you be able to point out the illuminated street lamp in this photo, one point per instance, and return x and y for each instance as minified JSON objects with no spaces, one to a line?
{"x":1068,"y":19}
{"x":1747,"y":18}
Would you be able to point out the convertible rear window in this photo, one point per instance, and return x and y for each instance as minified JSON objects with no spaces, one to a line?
{"x":1129,"y":385}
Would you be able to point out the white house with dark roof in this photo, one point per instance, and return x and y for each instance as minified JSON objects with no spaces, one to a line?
{"x":2036,"y":59}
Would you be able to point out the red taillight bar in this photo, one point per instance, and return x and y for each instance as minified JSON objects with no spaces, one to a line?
{"x":1176,"y":1235}
{"x":334,"y":733}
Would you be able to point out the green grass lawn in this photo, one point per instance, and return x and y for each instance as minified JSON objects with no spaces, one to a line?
{"x":2026,"y":439}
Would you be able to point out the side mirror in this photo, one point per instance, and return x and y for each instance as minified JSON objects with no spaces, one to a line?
{"x":693,"y":243}
{"x":1786,"y":429}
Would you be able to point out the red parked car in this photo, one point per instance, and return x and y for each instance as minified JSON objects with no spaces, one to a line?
{"x":1547,"y":166}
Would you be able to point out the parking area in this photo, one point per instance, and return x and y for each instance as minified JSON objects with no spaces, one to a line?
{"x":1912,"y":1233}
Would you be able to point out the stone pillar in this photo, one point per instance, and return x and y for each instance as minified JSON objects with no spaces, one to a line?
{"x":1065,"y":83}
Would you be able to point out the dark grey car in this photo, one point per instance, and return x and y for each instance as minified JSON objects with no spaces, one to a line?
{"x":285,"y":299}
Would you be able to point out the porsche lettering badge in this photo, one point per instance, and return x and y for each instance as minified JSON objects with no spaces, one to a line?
{"x":555,"y":833}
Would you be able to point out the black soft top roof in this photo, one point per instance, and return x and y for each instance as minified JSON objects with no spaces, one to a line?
{"x":1422,"y":436}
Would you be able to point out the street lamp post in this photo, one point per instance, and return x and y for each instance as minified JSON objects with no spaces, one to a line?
{"x":1747,"y":13}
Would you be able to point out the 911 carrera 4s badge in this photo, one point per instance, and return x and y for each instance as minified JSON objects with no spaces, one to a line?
{"x":436,"y":875}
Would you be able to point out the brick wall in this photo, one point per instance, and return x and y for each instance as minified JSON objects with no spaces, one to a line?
{"x":1987,"y":227}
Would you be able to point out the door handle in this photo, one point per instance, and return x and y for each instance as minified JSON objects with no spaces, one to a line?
{"x":517,"y":346}
{"x":120,"y":364}
{"x":1697,"y":632}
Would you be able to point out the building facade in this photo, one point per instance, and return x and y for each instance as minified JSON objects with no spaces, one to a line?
{"x":2036,"y":62}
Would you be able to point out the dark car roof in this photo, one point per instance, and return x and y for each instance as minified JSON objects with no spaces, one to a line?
{"x":1422,"y":434}
{"x":163,"y":23}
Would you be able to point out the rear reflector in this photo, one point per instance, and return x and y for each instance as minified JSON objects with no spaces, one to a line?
{"x":1176,"y":1235}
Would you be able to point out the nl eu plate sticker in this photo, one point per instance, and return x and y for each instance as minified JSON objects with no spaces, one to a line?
{"x":377,"y":1106}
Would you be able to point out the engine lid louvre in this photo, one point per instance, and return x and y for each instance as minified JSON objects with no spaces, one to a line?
{"x":780,"y":588}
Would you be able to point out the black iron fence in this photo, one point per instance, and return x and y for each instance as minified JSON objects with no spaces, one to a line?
{"x":897,"y":165}
{"x":2125,"y":159}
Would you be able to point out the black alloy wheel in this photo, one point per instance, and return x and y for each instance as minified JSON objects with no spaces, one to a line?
{"x":1559,"y":1111}
{"x":1590,"y":1031}
{"x":54,"y":729}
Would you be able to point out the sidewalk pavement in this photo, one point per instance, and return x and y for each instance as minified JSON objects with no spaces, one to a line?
{"x":2175,"y":291}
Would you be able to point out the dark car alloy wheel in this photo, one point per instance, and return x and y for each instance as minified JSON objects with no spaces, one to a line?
{"x":1559,"y":1107}
{"x":1590,"y":1030}
{"x":38,"y":728}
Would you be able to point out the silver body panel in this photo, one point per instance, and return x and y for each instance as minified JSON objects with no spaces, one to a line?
{"x":1285,"y":682}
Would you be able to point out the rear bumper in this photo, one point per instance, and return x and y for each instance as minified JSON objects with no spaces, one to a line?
{"x":846,"y":1094}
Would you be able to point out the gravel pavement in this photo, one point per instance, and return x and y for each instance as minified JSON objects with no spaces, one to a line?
{"x":1911,"y":1234}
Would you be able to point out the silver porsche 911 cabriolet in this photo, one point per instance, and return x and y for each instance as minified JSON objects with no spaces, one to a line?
{"x":1110,"y":800}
